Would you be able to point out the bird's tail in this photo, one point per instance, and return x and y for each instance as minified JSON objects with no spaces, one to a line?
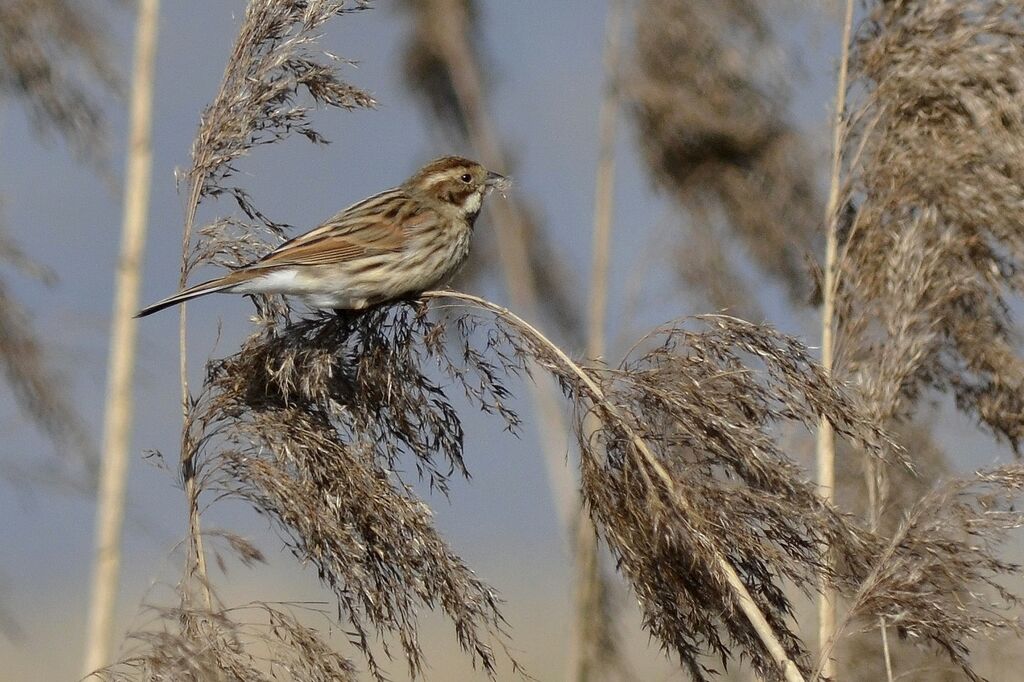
{"x":210,"y":287}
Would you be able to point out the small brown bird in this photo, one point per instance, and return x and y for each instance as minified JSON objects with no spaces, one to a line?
{"x":388,"y":246}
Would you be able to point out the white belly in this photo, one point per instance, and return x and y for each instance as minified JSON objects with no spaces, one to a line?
{"x":357,"y":284}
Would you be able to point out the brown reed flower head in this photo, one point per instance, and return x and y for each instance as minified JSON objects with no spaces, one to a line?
{"x":931,"y":252}
{"x":396,"y":243}
{"x":709,"y":98}
{"x":56,"y":59}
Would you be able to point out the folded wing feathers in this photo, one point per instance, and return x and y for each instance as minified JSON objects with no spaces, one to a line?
{"x":367,"y":228}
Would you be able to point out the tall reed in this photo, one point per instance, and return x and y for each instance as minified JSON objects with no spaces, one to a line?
{"x":926,"y":252}
{"x":594,"y":647}
{"x":119,"y":405}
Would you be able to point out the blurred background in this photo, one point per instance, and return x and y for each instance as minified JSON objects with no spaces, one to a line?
{"x":680,"y":246}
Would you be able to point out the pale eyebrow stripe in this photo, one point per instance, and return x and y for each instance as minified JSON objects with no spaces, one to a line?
{"x":438,"y":176}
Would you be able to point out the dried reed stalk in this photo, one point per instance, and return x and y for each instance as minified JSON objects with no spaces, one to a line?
{"x":121,"y":363}
{"x":593,"y":646}
{"x":826,"y":445}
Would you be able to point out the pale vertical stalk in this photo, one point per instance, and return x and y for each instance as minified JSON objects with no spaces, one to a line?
{"x":826,"y":445}
{"x":885,"y":649}
{"x":589,"y":597}
{"x":597,"y":398}
{"x":872,"y":482}
{"x":604,"y":184}
{"x":510,"y":222}
{"x":195,"y":562}
{"x":117,"y":420}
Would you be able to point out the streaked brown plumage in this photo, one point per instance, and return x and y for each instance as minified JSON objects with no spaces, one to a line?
{"x":393,"y":244}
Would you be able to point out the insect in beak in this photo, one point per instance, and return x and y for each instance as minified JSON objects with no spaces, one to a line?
{"x":497,"y":181}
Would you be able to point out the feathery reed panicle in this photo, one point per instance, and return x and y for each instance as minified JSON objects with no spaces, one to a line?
{"x":272,"y":80}
{"x":273,"y":63}
{"x":38,"y":392}
{"x":940,"y":577}
{"x":311,"y":423}
{"x":44,"y":42}
{"x":271,"y":66}
{"x":52,"y":52}
{"x":891,"y":492}
{"x":311,"y":420}
{"x":687,"y":485}
{"x":709,"y":105}
{"x":275,"y":632}
{"x":708,"y":518}
{"x":931,"y":253}
{"x":708,"y":412}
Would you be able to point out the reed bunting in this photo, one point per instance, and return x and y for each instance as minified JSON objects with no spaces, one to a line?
{"x":397,"y":243}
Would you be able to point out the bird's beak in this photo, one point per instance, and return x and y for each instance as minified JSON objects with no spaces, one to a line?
{"x":497,"y":181}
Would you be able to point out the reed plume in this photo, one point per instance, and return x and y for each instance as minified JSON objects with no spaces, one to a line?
{"x":54,"y":60}
{"x":930,"y":254}
{"x":709,"y":96}
{"x":925,"y":254}
{"x":44,"y":42}
{"x":275,"y":424}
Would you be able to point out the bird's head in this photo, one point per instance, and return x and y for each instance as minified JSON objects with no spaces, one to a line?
{"x":456,"y":184}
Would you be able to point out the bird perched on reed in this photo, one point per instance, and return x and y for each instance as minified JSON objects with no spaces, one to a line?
{"x":388,"y":246}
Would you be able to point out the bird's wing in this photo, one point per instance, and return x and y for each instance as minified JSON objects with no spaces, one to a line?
{"x":376,"y":225}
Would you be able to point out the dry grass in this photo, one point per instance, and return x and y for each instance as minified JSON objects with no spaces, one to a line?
{"x":273,"y":65}
{"x":311,"y":421}
{"x":257,"y":642}
{"x":939,"y":578}
{"x":315,"y":420}
{"x":928,"y":260}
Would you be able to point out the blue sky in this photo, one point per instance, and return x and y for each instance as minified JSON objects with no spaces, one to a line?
{"x":546,"y":85}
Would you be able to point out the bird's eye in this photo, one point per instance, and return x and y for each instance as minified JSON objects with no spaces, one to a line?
{"x":467,"y":178}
